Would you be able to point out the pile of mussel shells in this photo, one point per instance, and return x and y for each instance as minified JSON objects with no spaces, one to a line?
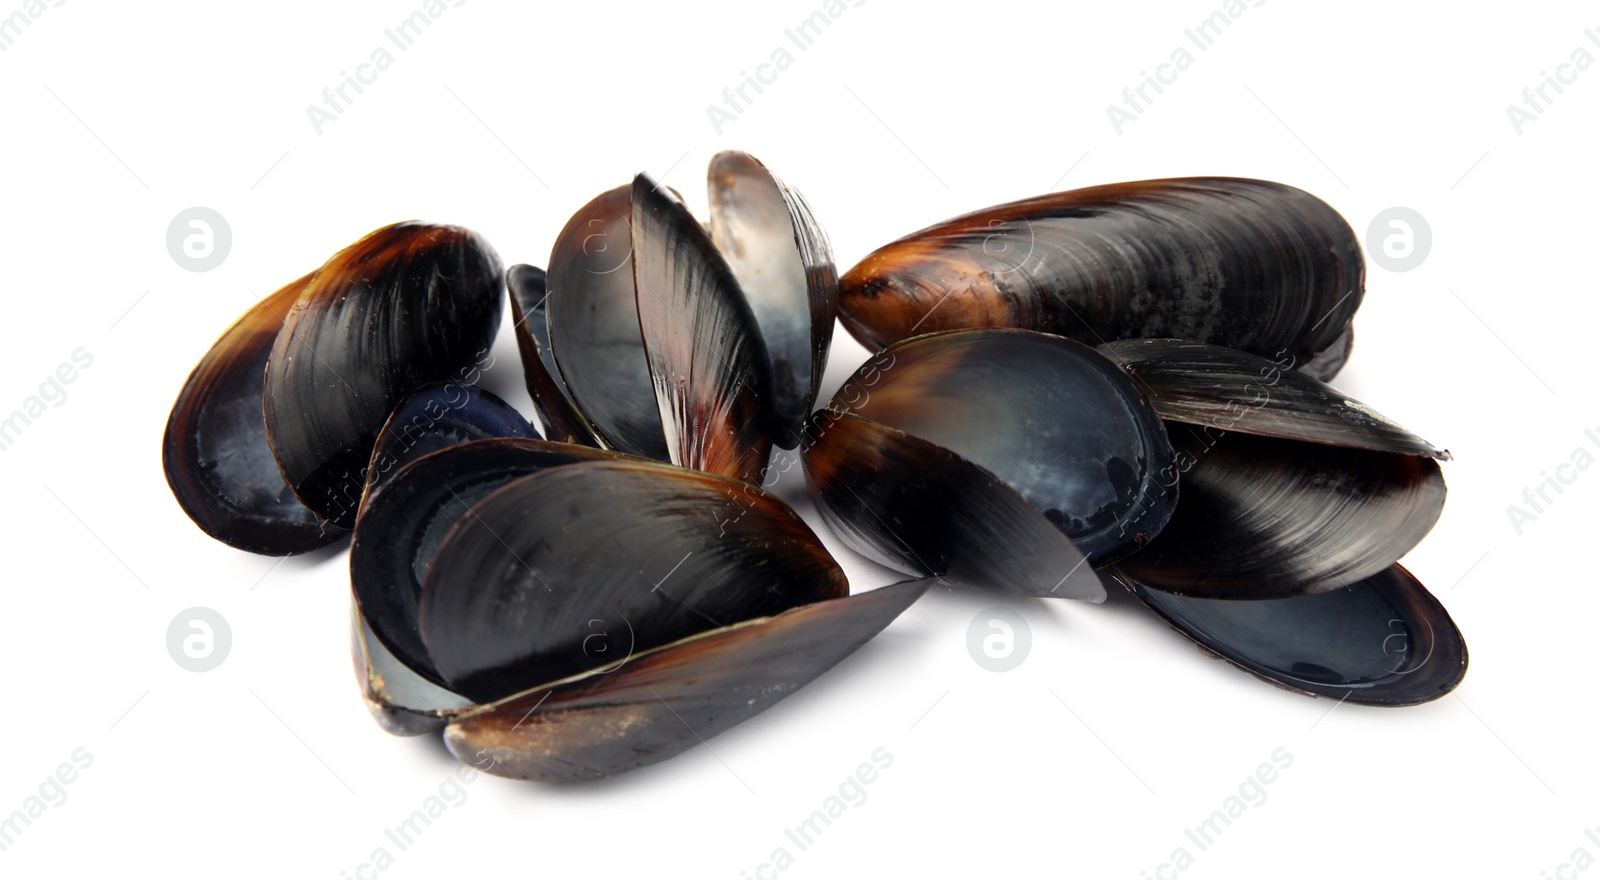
{"x":1119,"y":385}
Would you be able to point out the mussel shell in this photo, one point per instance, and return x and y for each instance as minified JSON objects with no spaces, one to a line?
{"x":592,"y":314}
{"x":407,"y":305}
{"x":707,"y":362}
{"x":784,"y":264}
{"x":215,"y":452}
{"x":1229,"y":390}
{"x":1051,"y":418}
{"x":531,"y":324}
{"x":919,"y":508}
{"x":664,"y":702}
{"x":1264,"y":518}
{"x":437,"y":417}
{"x":1382,"y":641}
{"x":1249,"y":264}
{"x":523,"y":585}
{"x":405,"y":520}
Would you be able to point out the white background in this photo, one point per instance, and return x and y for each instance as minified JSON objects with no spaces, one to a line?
{"x":1111,"y":738}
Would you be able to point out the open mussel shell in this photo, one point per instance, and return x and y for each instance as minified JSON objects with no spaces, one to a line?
{"x":652,"y":336}
{"x":1383,"y":640}
{"x":644,"y":552}
{"x":407,"y":305}
{"x":405,"y":520}
{"x":1288,"y":487}
{"x":437,"y":417}
{"x":215,"y":452}
{"x":1250,"y":264}
{"x":583,"y":605}
{"x":666,"y":701}
{"x":1052,"y":419}
{"x":784,"y":264}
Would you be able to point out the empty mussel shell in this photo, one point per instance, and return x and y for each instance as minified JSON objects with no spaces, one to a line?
{"x":407,"y":305}
{"x":561,"y":584}
{"x":519,"y":588}
{"x":784,"y":265}
{"x":1288,"y":486}
{"x":215,"y":452}
{"x":1052,"y":419}
{"x":651,"y":336}
{"x":1383,"y":640}
{"x":1250,"y":264}
{"x":406,"y":518}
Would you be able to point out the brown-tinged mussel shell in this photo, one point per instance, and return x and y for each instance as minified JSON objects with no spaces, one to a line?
{"x":566,"y":610}
{"x":277,"y":466}
{"x":604,"y":334}
{"x":1249,"y":264}
{"x":664,"y":701}
{"x":215,"y":451}
{"x":408,"y":305}
{"x":997,"y":457}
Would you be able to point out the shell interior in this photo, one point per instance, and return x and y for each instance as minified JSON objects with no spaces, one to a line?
{"x":215,"y":452}
{"x":1384,"y":640}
